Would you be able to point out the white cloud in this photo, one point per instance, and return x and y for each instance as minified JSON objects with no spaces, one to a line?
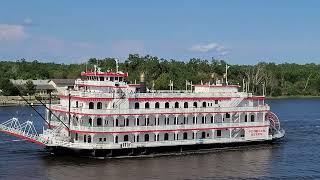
{"x":209,"y":47}
{"x":27,"y":22}
{"x":11,"y":32}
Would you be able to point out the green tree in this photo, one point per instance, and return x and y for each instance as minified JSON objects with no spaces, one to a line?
{"x":30,"y":88}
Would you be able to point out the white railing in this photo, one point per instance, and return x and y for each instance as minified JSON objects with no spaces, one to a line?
{"x":206,"y":110}
{"x":157,"y":94}
{"x":23,"y":130}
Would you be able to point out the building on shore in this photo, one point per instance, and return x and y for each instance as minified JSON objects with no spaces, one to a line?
{"x":62,"y":84}
{"x":42,"y":86}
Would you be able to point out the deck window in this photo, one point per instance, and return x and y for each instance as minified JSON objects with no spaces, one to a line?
{"x":84,"y":138}
{"x":89,"y":139}
{"x":146,"y":137}
{"x":101,"y":78}
{"x":166,"y":105}
{"x":157,"y":105}
{"x":166,"y":136}
{"x":185,"y":135}
{"x":126,"y":138}
{"x":176,"y":105}
{"x":227,"y":115}
{"x":91,"y":105}
{"x":195,"y":104}
{"x":203,"y":135}
{"x":136,"y":105}
{"x":99,"y":122}
{"x":147,"y":105}
{"x":252,"y":118}
{"x":90,"y":121}
{"x":99,"y":105}
{"x":218,"y":133}
{"x":204,"y":104}
{"x":185,"y":105}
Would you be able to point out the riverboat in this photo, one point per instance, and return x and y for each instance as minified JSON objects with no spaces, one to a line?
{"x":106,"y":116}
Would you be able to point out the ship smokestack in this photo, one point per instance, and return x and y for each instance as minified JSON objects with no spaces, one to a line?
{"x":143,"y":88}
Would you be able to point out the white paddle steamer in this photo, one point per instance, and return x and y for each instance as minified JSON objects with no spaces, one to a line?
{"x":106,"y":116}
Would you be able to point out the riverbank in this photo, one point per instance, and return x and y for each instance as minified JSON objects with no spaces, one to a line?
{"x":292,"y":97}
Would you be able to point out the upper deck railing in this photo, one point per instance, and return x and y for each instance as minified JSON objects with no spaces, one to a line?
{"x":156,"y":94}
{"x":85,"y":111}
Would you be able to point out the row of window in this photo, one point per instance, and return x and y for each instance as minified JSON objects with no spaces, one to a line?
{"x":156,"y":105}
{"x":87,"y":138}
{"x":91,"y":105}
{"x":176,"y":104}
{"x":102,"y":78}
{"x":166,"y":121}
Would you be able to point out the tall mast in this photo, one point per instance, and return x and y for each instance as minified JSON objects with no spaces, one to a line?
{"x":117,"y":65}
{"x":227,"y":67}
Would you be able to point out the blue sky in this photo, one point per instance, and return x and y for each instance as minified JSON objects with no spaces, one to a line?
{"x":241,"y":32}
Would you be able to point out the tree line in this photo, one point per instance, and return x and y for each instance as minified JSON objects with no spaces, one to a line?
{"x":287,"y":79}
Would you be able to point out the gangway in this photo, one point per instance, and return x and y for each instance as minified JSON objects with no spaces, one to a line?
{"x":24,"y":130}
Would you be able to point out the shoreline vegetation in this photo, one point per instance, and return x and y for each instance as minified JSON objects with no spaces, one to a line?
{"x":292,"y":97}
{"x":276,"y":81}
{"x":17,"y":100}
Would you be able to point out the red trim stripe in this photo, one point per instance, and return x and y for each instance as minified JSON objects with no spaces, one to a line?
{"x":167,"y":130}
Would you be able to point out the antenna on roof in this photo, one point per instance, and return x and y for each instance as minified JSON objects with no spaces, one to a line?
{"x":226,"y":73}
{"x":117,"y":65}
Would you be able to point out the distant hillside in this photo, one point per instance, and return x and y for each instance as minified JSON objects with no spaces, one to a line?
{"x":279,"y":79}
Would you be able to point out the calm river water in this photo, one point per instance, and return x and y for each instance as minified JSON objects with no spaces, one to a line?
{"x":296,"y":157}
